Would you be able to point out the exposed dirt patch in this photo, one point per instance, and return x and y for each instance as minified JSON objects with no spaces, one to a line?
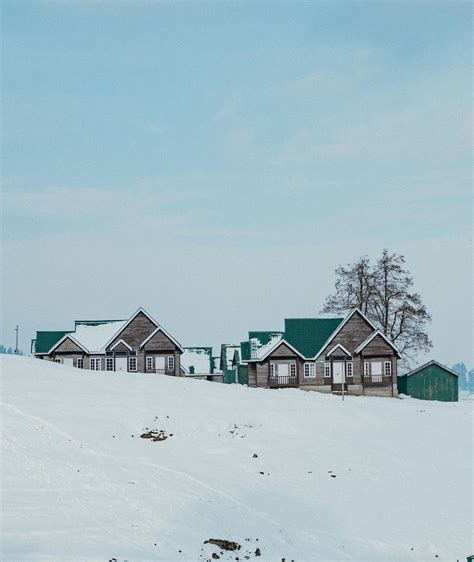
{"x":224,"y":544}
{"x":155,"y":435}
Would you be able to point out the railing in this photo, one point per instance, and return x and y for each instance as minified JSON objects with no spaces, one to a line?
{"x":376,"y":379}
{"x":284,"y":380}
{"x":164,"y":371}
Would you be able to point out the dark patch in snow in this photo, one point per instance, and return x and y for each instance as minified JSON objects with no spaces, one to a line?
{"x":155,"y":435}
{"x":224,"y":544}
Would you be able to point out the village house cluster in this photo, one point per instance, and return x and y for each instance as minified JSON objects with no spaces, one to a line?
{"x":325,"y":354}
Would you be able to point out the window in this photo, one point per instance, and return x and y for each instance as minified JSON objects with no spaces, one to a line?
{"x":366,"y":368}
{"x":272,"y":369}
{"x":57,"y":360}
{"x":95,"y":364}
{"x":132,"y":364}
{"x":327,"y":369}
{"x":149,"y":363}
{"x":109,"y":364}
{"x":292,"y":369}
{"x":349,"y":368}
{"x":171,"y":363}
{"x":310,"y":370}
{"x":387,"y":368}
{"x":80,"y":363}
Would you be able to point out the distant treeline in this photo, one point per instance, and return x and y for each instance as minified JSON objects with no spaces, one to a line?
{"x":466,"y":378}
{"x":9,"y":351}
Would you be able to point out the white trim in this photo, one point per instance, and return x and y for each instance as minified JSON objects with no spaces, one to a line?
{"x":95,"y":360}
{"x":327,"y":370}
{"x":432,"y":362}
{"x":132,"y":358}
{"x":311,"y":370}
{"x":64,"y":338}
{"x":124,"y":343}
{"x":149,"y":363}
{"x":81,"y":359}
{"x":385,"y":363}
{"x":274,"y":349}
{"x":109,"y":359}
{"x":128,"y":322}
{"x":339,"y":328}
{"x":351,"y":364}
{"x":342,"y":347}
{"x":161,"y":329}
{"x":170,"y":359}
{"x":371,"y":337}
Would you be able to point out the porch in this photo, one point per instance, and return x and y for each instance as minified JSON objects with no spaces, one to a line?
{"x":282,"y":381}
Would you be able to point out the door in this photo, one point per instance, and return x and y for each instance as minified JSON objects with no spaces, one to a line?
{"x":121,"y":364}
{"x":338,"y":373}
{"x":69,"y":361}
{"x":160,"y":364}
{"x":376,"y":370}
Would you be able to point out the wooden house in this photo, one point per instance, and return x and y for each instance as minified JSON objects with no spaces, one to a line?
{"x":137,"y":345}
{"x":325,"y":354}
{"x":432,"y":381}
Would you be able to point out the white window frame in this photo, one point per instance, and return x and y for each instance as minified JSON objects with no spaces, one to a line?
{"x":96,"y":363}
{"x":292,"y":371}
{"x":366,"y":368}
{"x":387,"y":372}
{"x":349,"y":369}
{"x":170,"y":363}
{"x":132,"y":359}
{"x":80,"y":363}
{"x":149,"y":363}
{"x":272,"y":369}
{"x":109,"y":364}
{"x":309,"y":370}
{"x":327,"y":370}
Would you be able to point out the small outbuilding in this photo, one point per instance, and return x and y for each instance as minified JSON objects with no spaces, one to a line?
{"x":432,"y":381}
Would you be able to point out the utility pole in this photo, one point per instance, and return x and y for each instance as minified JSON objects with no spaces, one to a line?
{"x":16,"y":340}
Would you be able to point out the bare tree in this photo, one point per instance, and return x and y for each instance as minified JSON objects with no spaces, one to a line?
{"x":354,"y":287}
{"x":384,"y":292}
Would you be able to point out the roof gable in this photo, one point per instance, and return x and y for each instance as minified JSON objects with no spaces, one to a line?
{"x":129,"y":321}
{"x":372,"y":336}
{"x":66,"y":337}
{"x":308,"y":335}
{"x":163,"y":331}
{"x":123,"y":342}
{"x":426,"y":365}
{"x":277,"y":345}
{"x":337,"y":347}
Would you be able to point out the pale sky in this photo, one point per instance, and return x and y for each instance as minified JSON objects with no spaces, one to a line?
{"x":215,"y":162}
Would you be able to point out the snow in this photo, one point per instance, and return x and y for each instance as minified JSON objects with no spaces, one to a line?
{"x":80,"y":484}
{"x":94,"y":338}
{"x":230,"y":350}
{"x":259,"y":350}
{"x":200,"y":359}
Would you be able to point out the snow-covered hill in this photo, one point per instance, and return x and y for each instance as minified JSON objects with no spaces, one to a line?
{"x":298,"y":475}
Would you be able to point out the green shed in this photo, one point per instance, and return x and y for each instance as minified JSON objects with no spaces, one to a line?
{"x":432,"y":381}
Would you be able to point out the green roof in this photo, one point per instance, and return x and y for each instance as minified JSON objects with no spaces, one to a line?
{"x":245,"y":350}
{"x":46,"y":340}
{"x":308,"y":335}
{"x":95,"y":322}
{"x":264,"y":337}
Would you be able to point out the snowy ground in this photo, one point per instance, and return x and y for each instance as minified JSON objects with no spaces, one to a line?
{"x":364,"y":479}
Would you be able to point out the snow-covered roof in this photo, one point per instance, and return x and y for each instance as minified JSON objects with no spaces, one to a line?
{"x":95,"y":336}
{"x":259,"y":350}
{"x":197,"y":360}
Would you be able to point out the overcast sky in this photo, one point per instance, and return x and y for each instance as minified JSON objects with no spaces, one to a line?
{"x":214,"y":163}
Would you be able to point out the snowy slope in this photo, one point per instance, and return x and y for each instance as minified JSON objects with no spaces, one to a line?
{"x":80,"y":484}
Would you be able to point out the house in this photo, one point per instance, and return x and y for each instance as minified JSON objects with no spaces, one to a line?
{"x":198,"y":363}
{"x":432,"y":381}
{"x":137,"y":345}
{"x":324,"y":354}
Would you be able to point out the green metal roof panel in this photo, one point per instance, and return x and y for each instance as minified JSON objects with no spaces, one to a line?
{"x":245,"y":350}
{"x":46,"y":340}
{"x":308,"y":335}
